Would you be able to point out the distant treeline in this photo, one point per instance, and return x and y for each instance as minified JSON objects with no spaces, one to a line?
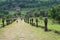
{"x":8,"y":4}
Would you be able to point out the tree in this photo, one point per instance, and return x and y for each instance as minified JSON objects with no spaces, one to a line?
{"x":55,"y":13}
{"x":36,"y":15}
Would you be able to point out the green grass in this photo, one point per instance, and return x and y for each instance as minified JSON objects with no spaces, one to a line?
{"x":51,"y":25}
{"x":12,"y":12}
{"x":23,"y":12}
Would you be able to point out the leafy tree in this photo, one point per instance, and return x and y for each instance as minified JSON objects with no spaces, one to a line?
{"x":55,"y":13}
{"x":36,"y":15}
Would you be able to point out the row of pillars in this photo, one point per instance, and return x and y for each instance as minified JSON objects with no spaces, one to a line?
{"x":8,"y":21}
{"x":36,"y":21}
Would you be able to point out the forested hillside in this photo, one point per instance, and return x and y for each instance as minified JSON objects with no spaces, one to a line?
{"x":8,"y":4}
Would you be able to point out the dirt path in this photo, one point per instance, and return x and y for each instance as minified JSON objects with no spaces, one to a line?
{"x":18,"y":32}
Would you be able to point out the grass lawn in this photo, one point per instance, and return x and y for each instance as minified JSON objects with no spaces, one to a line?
{"x":12,"y":12}
{"x":51,"y":25}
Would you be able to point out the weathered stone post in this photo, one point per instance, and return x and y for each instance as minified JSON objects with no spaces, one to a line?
{"x":32,"y":21}
{"x":36,"y":22}
{"x":45,"y":23}
{"x":3,"y":22}
{"x":28,"y":20}
{"x":21,"y":18}
{"x":24,"y":20}
{"x":7,"y":21}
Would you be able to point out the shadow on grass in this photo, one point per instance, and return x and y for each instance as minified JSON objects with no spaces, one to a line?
{"x":33,"y":24}
{"x":3,"y":26}
{"x":40,"y":26}
{"x":44,"y":28}
{"x":57,"y":32}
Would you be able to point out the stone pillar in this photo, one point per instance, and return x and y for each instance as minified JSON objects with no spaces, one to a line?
{"x":36,"y":22}
{"x":3,"y":22}
{"x":32,"y":21}
{"x":7,"y":21}
{"x":45,"y":23}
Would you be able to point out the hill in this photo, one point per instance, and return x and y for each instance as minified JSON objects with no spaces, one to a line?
{"x":8,"y":4}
